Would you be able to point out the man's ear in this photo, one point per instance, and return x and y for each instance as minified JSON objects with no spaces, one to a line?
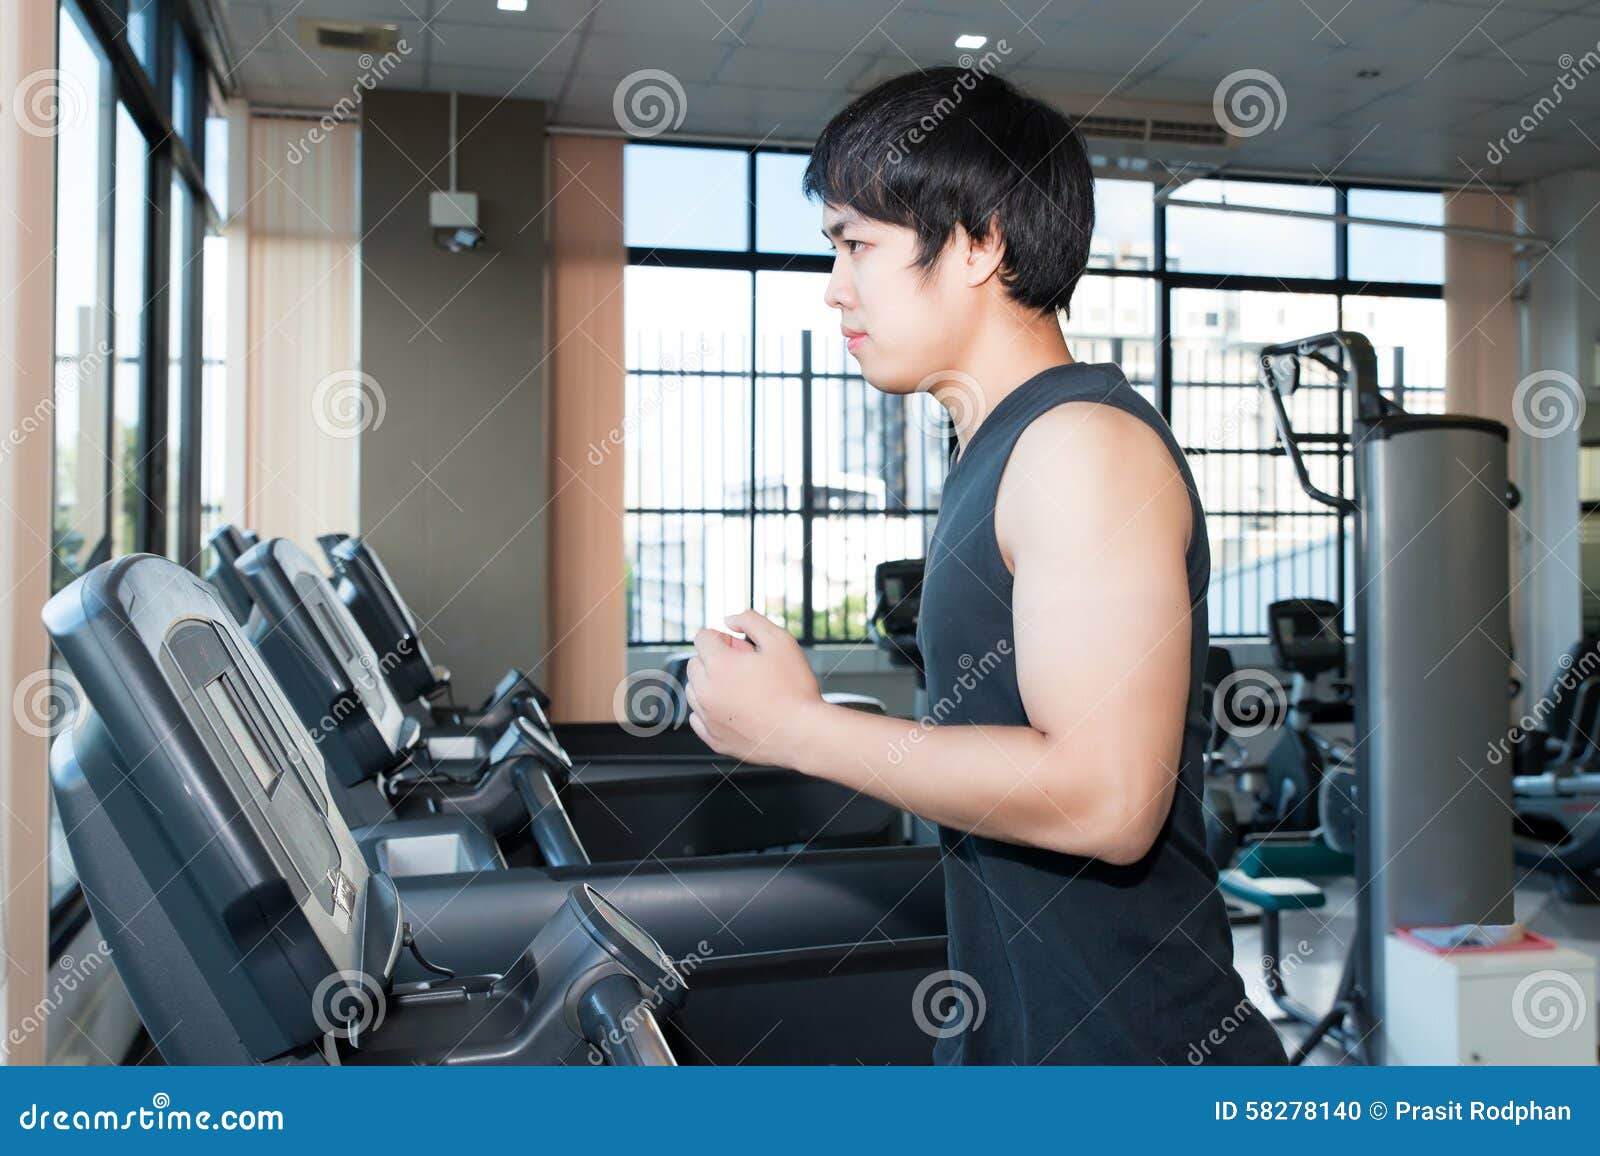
{"x":983,"y":257}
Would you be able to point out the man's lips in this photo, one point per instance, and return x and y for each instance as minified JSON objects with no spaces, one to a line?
{"x":852,"y":338}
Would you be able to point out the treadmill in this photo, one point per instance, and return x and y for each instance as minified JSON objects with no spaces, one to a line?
{"x":631,"y":797}
{"x":658,"y":705}
{"x":250,"y":925}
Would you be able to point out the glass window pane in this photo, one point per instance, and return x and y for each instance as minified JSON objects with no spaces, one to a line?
{"x":1209,"y":241}
{"x":1269,"y":540}
{"x":1408,"y":336}
{"x":143,"y":17}
{"x":786,"y":222}
{"x":216,"y":153}
{"x":132,"y":209}
{"x":1124,"y":225}
{"x":1114,"y":319}
{"x":82,"y":341}
{"x":1379,"y":254}
{"x":214,"y":414}
{"x":178,"y":282}
{"x":183,"y":86}
{"x":684,"y":198}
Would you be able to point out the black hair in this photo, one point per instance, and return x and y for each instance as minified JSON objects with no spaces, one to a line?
{"x":958,"y":146}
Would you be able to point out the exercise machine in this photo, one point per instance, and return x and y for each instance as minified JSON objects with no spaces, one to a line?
{"x":1556,"y":788}
{"x":1432,"y":847}
{"x":249,"y":924}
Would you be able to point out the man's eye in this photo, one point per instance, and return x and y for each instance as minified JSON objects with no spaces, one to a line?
{"x":853,"y":246}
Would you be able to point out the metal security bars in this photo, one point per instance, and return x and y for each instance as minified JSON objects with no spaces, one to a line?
{"x":796,"y":525}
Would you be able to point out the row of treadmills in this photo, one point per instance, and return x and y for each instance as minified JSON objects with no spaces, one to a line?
{"x":299,"y":851}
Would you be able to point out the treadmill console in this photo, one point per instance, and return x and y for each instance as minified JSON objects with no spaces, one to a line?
{"x":190,"y":784}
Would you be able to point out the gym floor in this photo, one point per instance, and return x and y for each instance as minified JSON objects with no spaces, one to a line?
{"x":1327,"y":933}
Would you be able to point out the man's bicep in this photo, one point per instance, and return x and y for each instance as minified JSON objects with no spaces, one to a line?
{"x":1101,"y":605}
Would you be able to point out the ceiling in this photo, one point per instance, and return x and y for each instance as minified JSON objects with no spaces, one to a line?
{"x":1451,"y":77}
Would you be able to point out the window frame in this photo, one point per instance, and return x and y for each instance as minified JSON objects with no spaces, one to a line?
{"x":1340,"y":287}
{"x":169,"y":156}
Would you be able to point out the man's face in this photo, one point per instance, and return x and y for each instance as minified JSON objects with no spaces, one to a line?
{"x":901,"y":324}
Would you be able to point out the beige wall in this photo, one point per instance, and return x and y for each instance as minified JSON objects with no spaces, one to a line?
{"x":588,"y":608}
{"x":27,"y":160}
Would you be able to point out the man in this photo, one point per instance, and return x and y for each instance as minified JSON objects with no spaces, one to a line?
{"x":1063,"y":617}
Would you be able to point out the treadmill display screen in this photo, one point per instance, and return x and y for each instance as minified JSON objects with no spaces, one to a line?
{"x":222,"y":698}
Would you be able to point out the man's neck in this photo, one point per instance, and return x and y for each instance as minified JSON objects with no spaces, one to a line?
{"x":1009,"y":353}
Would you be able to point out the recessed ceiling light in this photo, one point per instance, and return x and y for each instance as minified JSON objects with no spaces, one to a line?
{"x":512,"y":5}
{"x":970,"y":41}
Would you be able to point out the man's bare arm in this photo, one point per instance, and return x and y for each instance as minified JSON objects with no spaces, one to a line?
{"x":1094,"y":519}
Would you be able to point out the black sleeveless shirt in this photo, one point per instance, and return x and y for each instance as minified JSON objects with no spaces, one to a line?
{"x":1077,"y":960}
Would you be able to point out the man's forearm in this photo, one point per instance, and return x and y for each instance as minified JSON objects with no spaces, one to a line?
{"x":1010,"y":783}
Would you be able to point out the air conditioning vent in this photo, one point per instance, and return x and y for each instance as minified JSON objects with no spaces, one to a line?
{"x":344,"y":36}
{"x":1181,"y":132}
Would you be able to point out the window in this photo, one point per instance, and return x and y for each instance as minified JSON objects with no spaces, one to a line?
{"x":761,"y":470}
{"x":131,"y":200}
{"x":1213,"y":241}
